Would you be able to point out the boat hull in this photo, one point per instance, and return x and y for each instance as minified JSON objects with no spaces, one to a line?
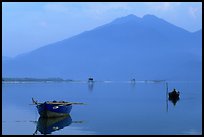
{"x":53,"y":110}
{"x":173,"y":96}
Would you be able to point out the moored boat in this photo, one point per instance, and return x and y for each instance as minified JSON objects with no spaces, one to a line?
{"x":90,"y":79}
{"x":174,"y":95}
{"x":54,"y":108}
{"x":48,"y":109}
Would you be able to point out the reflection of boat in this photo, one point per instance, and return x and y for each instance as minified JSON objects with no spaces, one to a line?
{"x":54,"y":108}
{"x":49,"y":125}
{"x":90,"y":86}
{"x":133,"y":80}
{"x":174,"y":100}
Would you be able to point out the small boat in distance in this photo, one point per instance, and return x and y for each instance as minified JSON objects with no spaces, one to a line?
{"x":174,"y":95}
{"x":90,"y":79}
{"x":54,"y":108}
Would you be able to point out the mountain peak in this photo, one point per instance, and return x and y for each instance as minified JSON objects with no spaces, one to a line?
{"x":149,"y":16}
{"x":134,"y":18}
{"x":130,"y":17}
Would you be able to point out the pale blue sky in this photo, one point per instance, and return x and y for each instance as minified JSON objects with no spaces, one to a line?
{"x":30,"y":25}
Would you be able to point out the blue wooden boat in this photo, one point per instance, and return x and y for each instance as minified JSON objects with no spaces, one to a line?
{"x":54,"y":108}
{"x":49,"y":109}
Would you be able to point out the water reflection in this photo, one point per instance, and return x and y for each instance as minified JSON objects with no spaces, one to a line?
{"x":185,"y":116}
{"x":174,"y":100}
{"x":90,"y":85}
{"x":133,"y":84}
{"x":49,"y":125}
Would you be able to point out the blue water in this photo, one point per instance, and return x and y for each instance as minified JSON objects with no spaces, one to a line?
{"x":110,"y":108}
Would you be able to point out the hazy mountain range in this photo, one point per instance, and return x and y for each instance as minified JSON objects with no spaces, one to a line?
{"x":5,"y":58}
{"x":128,"y":47}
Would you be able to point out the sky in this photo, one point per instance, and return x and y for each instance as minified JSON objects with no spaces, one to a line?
{"x":27,"y":26}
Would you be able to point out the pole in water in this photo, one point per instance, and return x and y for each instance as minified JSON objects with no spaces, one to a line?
{"x":166,"y":96}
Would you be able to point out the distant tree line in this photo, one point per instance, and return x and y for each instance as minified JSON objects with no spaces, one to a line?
{"x":32,"y":79}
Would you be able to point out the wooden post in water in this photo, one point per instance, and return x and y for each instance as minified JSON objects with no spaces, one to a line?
{"x":166,"y":88}
{"x":166,"y":96}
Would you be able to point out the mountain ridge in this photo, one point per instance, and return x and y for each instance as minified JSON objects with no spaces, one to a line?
{"x":112,"y":22}
{"x":134,"y":47}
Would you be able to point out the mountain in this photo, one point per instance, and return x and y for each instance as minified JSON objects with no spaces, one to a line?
{"x":5,"y":58}
{"x":128,"y":47}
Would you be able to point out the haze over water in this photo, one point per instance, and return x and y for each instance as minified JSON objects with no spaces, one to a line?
{"x":111,"y":108}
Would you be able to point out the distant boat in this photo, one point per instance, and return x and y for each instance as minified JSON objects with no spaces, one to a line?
{"x":133,"y":80}
{"x":54,"y":108}
{"x":174,"y":95}
{"x":90,"y":80}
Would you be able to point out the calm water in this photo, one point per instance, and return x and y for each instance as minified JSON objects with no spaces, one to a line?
{"x":111,"y":108}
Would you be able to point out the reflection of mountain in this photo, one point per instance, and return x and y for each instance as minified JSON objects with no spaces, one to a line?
{"x":49,"y":125}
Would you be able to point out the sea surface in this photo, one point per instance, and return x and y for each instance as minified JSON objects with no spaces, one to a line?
{"x":111,"y":108}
